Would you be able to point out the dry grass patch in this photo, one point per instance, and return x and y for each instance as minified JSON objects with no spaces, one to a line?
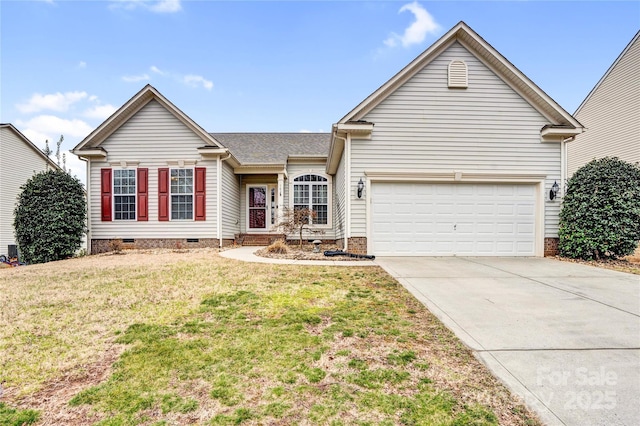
{"x":156,"y":338}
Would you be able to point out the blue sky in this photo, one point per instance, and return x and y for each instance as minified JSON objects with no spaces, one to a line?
{"x":265,"y":66}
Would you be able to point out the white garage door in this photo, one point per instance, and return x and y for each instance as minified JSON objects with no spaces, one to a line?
{"x":420,"y":219}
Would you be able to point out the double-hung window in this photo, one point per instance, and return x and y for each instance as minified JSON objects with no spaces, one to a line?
{"x":181,"y":194}
{"x":124,"y":194}
{"x":312,"y":192}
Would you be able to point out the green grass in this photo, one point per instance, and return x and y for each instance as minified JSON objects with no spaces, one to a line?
{"x":268,"y":344}
{"x":10,"y":416}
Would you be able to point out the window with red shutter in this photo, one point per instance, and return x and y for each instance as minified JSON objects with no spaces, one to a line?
{"x":143,"y":195}
{"x":200,"y":193}
{"x":163,"y":194}
{"x":105,"y":191}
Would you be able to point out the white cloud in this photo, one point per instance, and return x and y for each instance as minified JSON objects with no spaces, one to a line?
{"x":157,"y":70}
{"x":100,"y":112}
{"x":75,"y":166}
{"x":196,"y":80}
{"x":82,"y":64}
{"x":50,"y":127}
{"x":159,"y":6}
{"x":135,"y":78}
{"x":416,"y":32}
{"x":55,"y":102}
{"x":166,"y":6}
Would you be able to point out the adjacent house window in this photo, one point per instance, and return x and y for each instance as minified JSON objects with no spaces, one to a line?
{"x":124,"y":194}
{"x":312,"y":192}
{"x":181,"y":194}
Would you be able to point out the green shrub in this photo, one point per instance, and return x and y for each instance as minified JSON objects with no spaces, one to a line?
{"x":600,"y":216}
{"x":49,"y":218}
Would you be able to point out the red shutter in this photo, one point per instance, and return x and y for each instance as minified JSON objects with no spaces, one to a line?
{"x":143,"y":195}
{"x":200,"y":193}
{"x":163,"y":194}
{"x":105,"y":191}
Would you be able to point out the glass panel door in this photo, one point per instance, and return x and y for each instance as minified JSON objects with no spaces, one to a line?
{"x":258,"y":207}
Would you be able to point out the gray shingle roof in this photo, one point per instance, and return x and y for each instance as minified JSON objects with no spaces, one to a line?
{"x":274,"y":148}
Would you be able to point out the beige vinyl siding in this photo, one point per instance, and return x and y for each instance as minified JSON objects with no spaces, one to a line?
{"x":294,"y":170}
{"x":339,"y":195}
{"x":426,"y":126}
{"x":252,"y":180}
{"x":230,"y":202}
{"x":154,"y":139}
{"x":611,"y":115}
{"x":18,"y":163}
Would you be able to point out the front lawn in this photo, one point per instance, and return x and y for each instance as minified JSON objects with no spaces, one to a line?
{"x":163,"y":338}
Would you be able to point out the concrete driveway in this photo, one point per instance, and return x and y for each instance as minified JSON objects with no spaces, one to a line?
{"x":563,"y":336}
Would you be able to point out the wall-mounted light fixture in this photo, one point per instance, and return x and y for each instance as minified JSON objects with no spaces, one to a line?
{"x":360,"y":188}
{"x":553,"y":193}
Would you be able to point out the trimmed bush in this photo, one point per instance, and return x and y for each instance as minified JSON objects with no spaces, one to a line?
{"x":49,"y":219}
{"x":600,"y":216}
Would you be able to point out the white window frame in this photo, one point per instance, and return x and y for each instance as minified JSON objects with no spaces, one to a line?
{"x":193,"y":196}
{"x":328,"y":182}
{"x":134,"y":195}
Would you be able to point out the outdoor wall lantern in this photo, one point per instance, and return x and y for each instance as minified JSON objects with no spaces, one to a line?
{"x":360,"y":188}
{"x":553,"y":193}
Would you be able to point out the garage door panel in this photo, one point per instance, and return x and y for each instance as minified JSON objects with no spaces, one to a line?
{"x":453,"y":219}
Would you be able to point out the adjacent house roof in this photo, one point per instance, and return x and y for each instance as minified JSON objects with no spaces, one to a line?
{"x":91,"y":144}
{"x":464,"y":35}
{"x":606,"y":74}
{"x":274,"y":148}
{"x":29,"y":144}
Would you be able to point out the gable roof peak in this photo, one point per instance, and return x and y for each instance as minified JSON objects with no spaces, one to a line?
{"x":476,"y":45}
{"x":129,"y":109}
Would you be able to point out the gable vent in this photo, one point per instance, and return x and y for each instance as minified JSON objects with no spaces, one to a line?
{"x":458,"y":74}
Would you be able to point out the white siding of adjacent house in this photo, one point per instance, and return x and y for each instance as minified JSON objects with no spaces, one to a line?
{"x":230,"y":202}
{"x":18,"y":163}
{"x":424,"y":126}
{"x":611,"y":115}
{"x":154,"y":138}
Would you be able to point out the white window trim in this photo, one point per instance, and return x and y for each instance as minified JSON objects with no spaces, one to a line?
{"x":193,"y":195}
{"x":114,"y":195}
{"x":329,"y":183}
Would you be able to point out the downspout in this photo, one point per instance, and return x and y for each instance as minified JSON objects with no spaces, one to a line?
{"x":563,"y":164}
{"x":347,"y":182}
{"x":219,"y":197}
{"x":88,"y":177}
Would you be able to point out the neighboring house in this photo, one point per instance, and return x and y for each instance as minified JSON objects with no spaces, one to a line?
{"x":455,"y":155}
{"x":20,"y":159}
{"x":611,"y":114}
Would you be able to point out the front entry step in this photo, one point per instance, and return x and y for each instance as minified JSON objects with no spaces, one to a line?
{"x":257,"y":239}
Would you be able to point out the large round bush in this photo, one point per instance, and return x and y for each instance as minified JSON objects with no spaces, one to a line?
{"x":49,"y":219}
{"x":600,"y":216}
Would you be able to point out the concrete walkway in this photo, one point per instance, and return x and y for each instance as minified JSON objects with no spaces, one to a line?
{"x":563,"y":336}
{"x":246,"y":254}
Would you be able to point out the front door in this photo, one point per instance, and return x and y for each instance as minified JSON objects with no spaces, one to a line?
{"x":262,"y":204}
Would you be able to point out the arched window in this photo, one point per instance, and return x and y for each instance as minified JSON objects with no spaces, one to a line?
{"x":458,"y":74}
{"x":312,"y":192}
